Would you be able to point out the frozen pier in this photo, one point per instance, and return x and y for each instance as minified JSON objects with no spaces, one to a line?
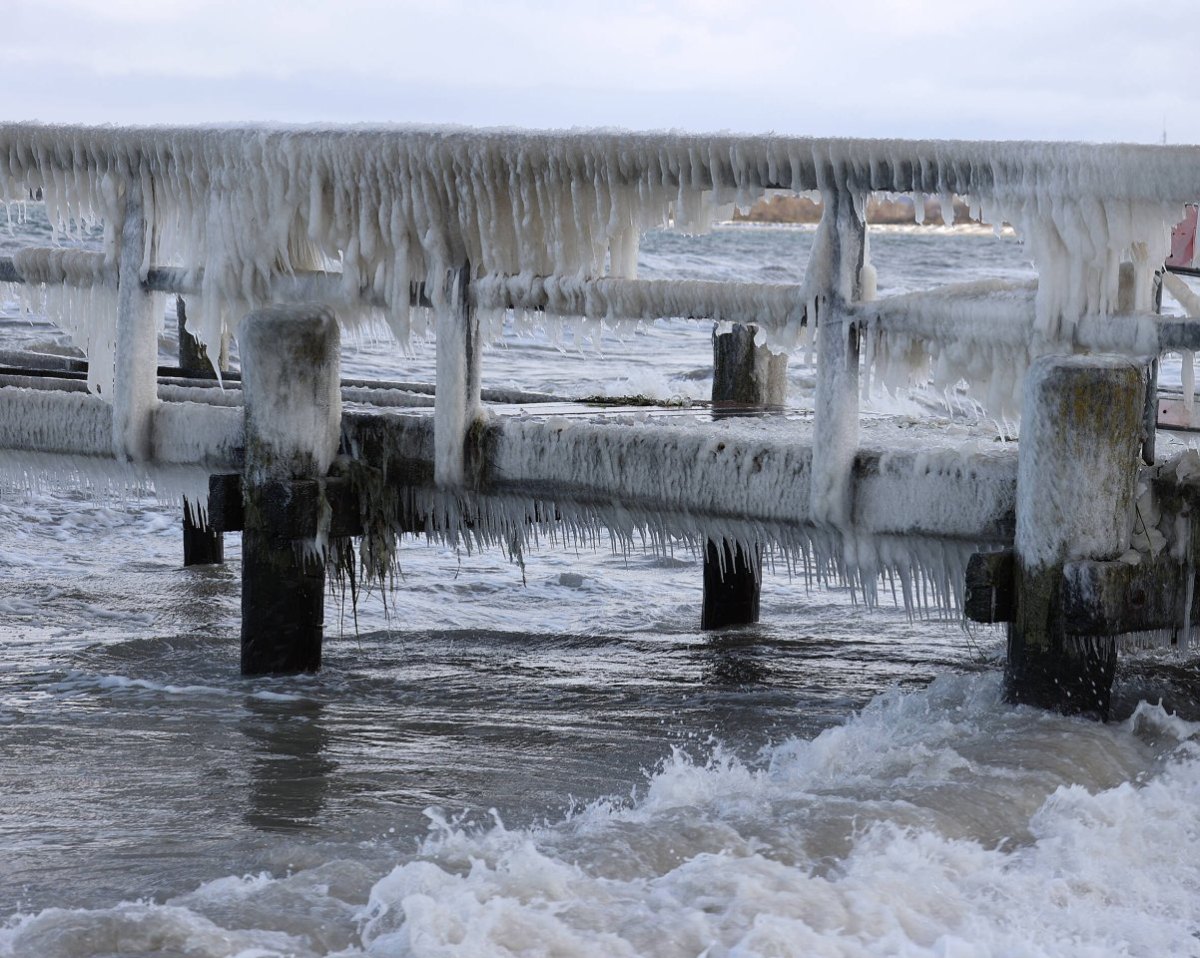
{"x":278,"y":240}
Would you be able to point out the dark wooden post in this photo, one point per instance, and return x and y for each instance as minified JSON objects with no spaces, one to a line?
{"x":1076,"y":483}
{"x":732,"y":585}
{"x":202,"y":545}
{"x":746,"y":378}
{"x":290,"y":382}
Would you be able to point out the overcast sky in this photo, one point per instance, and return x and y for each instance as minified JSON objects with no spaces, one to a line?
{"x":1045,"y":69}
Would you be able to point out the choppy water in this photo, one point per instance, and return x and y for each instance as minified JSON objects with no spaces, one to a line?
{"x":555,"y":761}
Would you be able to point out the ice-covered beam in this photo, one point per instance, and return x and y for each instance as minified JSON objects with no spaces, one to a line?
{"x":48,"y":157}
{"x":776,"y":307}
{"x":397,"y":206}
{"x":76,"y":423}
{"x":712,"y":472}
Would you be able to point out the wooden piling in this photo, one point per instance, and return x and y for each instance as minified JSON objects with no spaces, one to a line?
{"x":202,"y":544}
{"x":290,"y":383}
{"x":732,"y":585}
{"x":746,"y":377}
{"x":1076,"y":481}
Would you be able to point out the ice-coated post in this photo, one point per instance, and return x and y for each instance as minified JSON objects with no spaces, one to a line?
{"x":456,"y":400}
{"x":835,"y":270}
{"x":202,"y":545}
{"x":136,"y":382}
{"x":1076,"y":484}
{"x":746,"y":377}
{"x":291,"y":385}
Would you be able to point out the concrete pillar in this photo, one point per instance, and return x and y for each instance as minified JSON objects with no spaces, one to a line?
{"x":202,"y":545}
{"x":1076,"y":484}
{"x":291,"y":385}
{"x":746,"y":378}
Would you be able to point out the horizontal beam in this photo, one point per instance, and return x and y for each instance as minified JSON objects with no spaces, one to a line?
{"x":1096,"y":598}
{"x":1115,"y":598}
{"x":35,"y":152}
{"x":1000,"y":313}
{"x":987,"y":312}
{"x":712,"y":472}
{"x":767,"y":305}
{"x":80,"y":424}
{"x":59,"y":370}
{"x":770,"y":306}
{"x":736,"y":470}
{"x":293,"y":509}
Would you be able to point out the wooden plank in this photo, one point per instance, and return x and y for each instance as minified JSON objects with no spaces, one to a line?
{"x":1113,"y":598}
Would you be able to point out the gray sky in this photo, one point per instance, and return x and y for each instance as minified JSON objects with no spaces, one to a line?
{"x":1044,"y":69}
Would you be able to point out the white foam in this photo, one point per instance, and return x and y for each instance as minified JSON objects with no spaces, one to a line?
{"x":919,"y":828}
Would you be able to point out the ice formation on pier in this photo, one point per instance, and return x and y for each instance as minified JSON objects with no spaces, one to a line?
{"x":398,"y":213}
{"x":403,"y":205}
{"x":79,"y":293}
{"x":640,"y":484}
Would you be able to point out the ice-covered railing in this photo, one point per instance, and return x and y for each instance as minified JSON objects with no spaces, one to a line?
{"x":433,"y":225}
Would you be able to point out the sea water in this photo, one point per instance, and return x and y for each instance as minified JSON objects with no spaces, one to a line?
{"x":551,"y":759}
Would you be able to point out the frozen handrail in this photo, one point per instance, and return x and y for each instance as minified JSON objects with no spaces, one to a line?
{"x":460,"y":219}
{"x":400,"y":205}
{"x":45,"y":156}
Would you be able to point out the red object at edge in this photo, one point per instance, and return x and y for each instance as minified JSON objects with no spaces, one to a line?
{"x":1183,"y":240}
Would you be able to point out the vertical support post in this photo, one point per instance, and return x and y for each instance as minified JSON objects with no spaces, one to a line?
{"x":193,"y":357}
{"x":291,"y":380}
{"x":1076,"y":486}
{"x":202,"y":545}
{"x":135,"y":390}
{"x":732,"y":585}
{"x":456,"y":399}
{"x":746,"y":377}
{"x":835,"y":267}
